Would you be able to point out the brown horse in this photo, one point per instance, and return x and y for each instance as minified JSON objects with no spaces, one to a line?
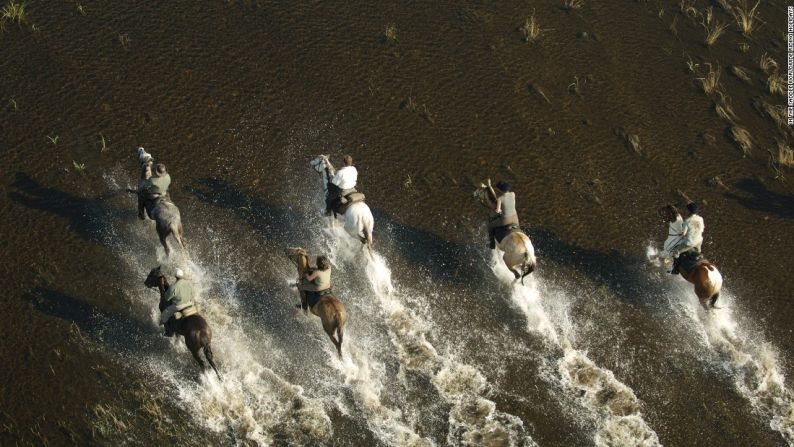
{"x":331,"y":311}
{"x":194,"y":328}
{"x":705,"y":276}
{"x":519,"y":254}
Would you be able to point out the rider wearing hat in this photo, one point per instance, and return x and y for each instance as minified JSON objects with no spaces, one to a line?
{"x":180,"y":297}
{"x":693,"y":234}
{"x":505,"y":209}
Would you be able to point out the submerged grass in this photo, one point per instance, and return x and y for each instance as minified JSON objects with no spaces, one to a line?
{"x":784,"y":156}
{"x":531,"y":29}
{"x":767,"y":63}
{"x":742,"y":139}
{"x":710,"y":82}
{"x":724,"y":110}
{"x":746,"y":16}
{"x":776,"y":84}
{"x":714,"y":29}
{"x":740,"y":73}
{"x":15,"y":12}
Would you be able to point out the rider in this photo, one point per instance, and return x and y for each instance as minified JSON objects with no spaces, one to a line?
{"x":505,"y":209}
{"x":180,"y":296}
{"x":693,"y":235}
{"x":316,"y":283}
{"x":344,"y":183}
{"x":152,"y":189}
{"x":676,"y":230}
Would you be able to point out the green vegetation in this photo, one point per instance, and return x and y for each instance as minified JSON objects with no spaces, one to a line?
{"x":124,"y":40}
{"x":15,"y":12}
{"x":776,"y":84}
{"x":785,"y":156}
{"x":103,"y":144}
{"x":570,"y":5}
{"x":79,"y":167}
{"x":53,"y":140}
{"x":713,"y":27}
{"x":81,"y":9}
{"x":767,"y":63}
{"x":724,"y":109}
{"x":740,"y":73}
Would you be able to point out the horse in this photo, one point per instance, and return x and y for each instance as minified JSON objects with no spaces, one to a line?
{"x":193,"y":328}
{"x":705,"y":276}
{"x":358,"y":217}
{"x":164,"y":212}
{"x":330,"y":309}
{"x":519,"y":254}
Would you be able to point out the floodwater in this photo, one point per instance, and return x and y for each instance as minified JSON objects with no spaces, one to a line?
{"x":598,"y":347}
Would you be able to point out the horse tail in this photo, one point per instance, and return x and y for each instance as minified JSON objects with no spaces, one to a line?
{"x":205,"y":343}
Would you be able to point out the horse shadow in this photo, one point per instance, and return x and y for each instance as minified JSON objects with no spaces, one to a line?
{"x":87,"y":217}
{"x":111,"y":329}
{"x":762,"y":199}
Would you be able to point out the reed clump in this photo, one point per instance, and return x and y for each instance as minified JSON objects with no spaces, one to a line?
{"x":742,"y":139}
{"x":740,"y":73}
{"x":531,"y":28}
{"x":710,"y":82}
{"x":14,"y":12}
{"x":746,"y":16}
{"x":784,"y":156}
{"x":390,"y":33}
{"x":570,"y":5}
{"x":714,"y":29}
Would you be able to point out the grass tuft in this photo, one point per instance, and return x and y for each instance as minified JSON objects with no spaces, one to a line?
{"x":777,"y":113}
{"x":713,"y":27}
{"x":531,"y":29}
{"x":767,"y":63}
{"x":724,"y":109}
{"x":742,"y":139}
{"x":15,"y":12}
{"x":740,"y":73}
{"x":710,"y":82}
{"x":103,"y":144}
{"x":81,"y":9}
{"x":570,"y":5}
{"x":390,"y":33}
{"x":79,"y":167}
{"x":745,"y":16}
{"x":784,"y":156}
{"x":53,"y":140}
{"x":776,"y":84}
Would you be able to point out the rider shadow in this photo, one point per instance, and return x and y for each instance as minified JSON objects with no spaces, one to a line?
{"x":87,"y":217}
{"x":762,"y":199}
{"x":276,"y":222}
{"x":111,"y":329}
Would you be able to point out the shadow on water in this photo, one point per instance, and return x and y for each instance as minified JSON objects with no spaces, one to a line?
{"x":119,"y":331}
{"x":762,"y":199}
{"x":87,"y":217}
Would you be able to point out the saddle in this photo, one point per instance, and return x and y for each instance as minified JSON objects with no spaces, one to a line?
{"x":341,"y":205}
{"x":689,"y":260}
{"x":502,"y":232}
{"x":312,"y":298}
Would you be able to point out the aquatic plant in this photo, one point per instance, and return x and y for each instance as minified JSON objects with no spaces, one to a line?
{"x":103,"y":145}
{"x":81,"y":9}
{"x":713,"y":27}
{"x":742,"y":139}
{"x":710,"y":82}
{"x":14,"y":12}
{"x":570,"y":5}
{"x":776,"y":84}
{"x":745,"y":16}
{"x":724,"y":110}
{"x":777,"y":113}
{"x":390,"y":33}
{"x":531,"y":29}
{"x":79,"y":167}
{"x":767,"y":63}
{"x":124,"y":40}
{"x":53,"y":140}
{"x":740,"y":73}
{"x":784,"y":156}
{"x":744,"y":47}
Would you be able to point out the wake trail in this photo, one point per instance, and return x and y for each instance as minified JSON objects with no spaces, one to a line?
{"x":742,"y":350}
{"x":614,"y":405}
{"x":253,"y":404}
{"x":473,"y":419}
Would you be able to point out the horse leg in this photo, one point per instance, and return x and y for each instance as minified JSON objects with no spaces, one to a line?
{"x":340,"y":334}
{"x":713,"y":300}
{"x":193,"y":342}
{"x":336,"y":343}
{"x":205,"y":342}
{"x":164,"y":242}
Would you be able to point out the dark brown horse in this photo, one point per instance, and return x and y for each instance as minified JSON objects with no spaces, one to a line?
{"x":331,"y":311}
{"x":705,"y":276}
{"x":194,"y":328}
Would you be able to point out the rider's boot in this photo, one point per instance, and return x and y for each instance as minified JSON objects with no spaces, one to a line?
{"x":674,"y":270}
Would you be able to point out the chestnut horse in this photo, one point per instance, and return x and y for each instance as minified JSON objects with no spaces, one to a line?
{"x":519,"y":254}
{"x":705,"y":276}
{"x":194,"y":328}
{"x":331,"y":311}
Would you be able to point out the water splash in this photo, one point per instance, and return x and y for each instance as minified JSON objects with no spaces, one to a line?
{"x":612,"y":403}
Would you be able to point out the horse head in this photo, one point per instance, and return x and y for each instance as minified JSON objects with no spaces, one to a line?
{"x":482,"y":196}
{"x":321,"y":163}
{"x":299,"y":256}
{"x":153,"y":279}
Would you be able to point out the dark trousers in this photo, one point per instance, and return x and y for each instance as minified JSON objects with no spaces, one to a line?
{"x":498,"y":222}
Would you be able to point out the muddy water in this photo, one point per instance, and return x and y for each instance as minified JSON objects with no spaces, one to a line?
{"x":600,"y":348}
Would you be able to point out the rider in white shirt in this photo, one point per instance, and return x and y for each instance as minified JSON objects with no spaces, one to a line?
{"x":693,"y":237}
{"x":345,"y":182}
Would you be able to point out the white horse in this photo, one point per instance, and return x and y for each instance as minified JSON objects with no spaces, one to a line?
{"x":358,"y":217}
